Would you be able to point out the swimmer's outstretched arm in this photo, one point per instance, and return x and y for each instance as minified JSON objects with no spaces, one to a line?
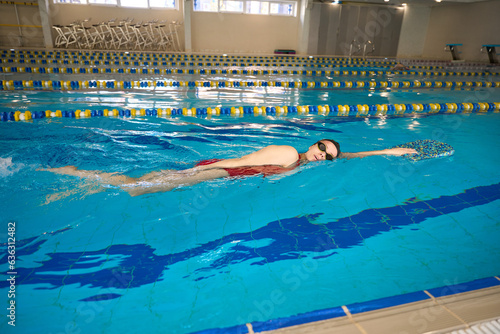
{"x":390,"y":151}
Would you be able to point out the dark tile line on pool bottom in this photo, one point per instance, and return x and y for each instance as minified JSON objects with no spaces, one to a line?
{"x":299,"y":234}
{"x":372,"y":305}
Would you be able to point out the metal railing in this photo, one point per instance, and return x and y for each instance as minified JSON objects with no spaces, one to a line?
{"x":366,"y":46}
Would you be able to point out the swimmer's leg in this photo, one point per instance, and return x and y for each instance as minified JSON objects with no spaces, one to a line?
{"x":82,"y":191}
{"x":150,"y":183}
{"x":166,"y":181}
{"x":106,"y":178}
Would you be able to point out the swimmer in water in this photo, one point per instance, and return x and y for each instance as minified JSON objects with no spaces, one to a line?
{"x":400,"y":67}
{"x":273,"y":159}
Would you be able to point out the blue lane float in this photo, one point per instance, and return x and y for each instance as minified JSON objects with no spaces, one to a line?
{"x":147,"y":59}
{"x":167,"y":71}
{"x":153,"y":84}
{"x":378,"y":110}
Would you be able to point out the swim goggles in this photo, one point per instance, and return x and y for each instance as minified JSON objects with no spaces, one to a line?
{"x":322,"y":147}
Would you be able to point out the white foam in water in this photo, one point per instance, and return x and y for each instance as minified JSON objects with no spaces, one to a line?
{"x":7,"y":167}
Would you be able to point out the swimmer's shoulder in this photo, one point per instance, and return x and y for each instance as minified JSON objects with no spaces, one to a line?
{"x":287,"y":154}
{"x":284,"y":149}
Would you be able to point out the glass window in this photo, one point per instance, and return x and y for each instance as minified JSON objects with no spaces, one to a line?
{"x":281,"y":8}
{"x":206,"y":5}
{"x":134,"y":3}
{"x":71,"y":1}
{"x":231,"y":6}
{"x":128,"y":3}
{"x":104,"y":2}
{"x":162,"y":3}
{"x":258,"y":7}
{"x":277,"y":7}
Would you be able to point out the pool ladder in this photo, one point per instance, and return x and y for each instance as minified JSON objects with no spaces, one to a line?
{"x":365,"y":48}
{"x":355,"y":47}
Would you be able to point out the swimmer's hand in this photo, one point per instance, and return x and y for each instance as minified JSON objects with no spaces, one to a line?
{"x":399,"y":151}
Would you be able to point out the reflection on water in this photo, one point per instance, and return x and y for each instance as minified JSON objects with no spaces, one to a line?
{"x":205,"y":97}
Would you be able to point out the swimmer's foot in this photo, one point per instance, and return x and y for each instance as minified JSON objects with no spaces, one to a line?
{"x":113,"y":179}
{"x":74,"y":171}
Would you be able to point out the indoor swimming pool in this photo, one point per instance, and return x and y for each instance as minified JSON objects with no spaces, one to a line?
{"x":268,"y":251}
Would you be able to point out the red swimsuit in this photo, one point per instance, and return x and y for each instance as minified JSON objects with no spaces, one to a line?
{"x":251,"y":170}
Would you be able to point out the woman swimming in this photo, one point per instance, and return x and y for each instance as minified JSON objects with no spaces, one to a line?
{"x":273,"y":159}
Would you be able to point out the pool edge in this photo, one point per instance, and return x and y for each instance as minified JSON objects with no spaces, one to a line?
{"x":436,"y":309}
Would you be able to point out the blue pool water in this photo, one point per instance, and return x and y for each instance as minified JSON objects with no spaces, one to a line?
{"x":233,"y":251}
{"x":267,"y":251}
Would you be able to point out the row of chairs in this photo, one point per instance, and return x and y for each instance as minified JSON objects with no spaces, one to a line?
{"x":122,"y":35}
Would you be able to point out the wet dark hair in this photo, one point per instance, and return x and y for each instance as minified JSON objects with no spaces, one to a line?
{"x":337,"y":145}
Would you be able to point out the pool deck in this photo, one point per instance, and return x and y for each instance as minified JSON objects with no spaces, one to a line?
{"x":433,"y":315}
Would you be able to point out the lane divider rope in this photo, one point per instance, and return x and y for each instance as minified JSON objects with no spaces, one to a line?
{"x":84,"y":55}
{"x":378,"y":110}
{"x":313,"y":61}
{"x":96,"y":60}
{"x":156,"y":70}
{"x":157,"y":84}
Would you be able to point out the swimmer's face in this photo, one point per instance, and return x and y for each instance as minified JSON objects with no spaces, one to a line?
{"x":322,"y":150}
